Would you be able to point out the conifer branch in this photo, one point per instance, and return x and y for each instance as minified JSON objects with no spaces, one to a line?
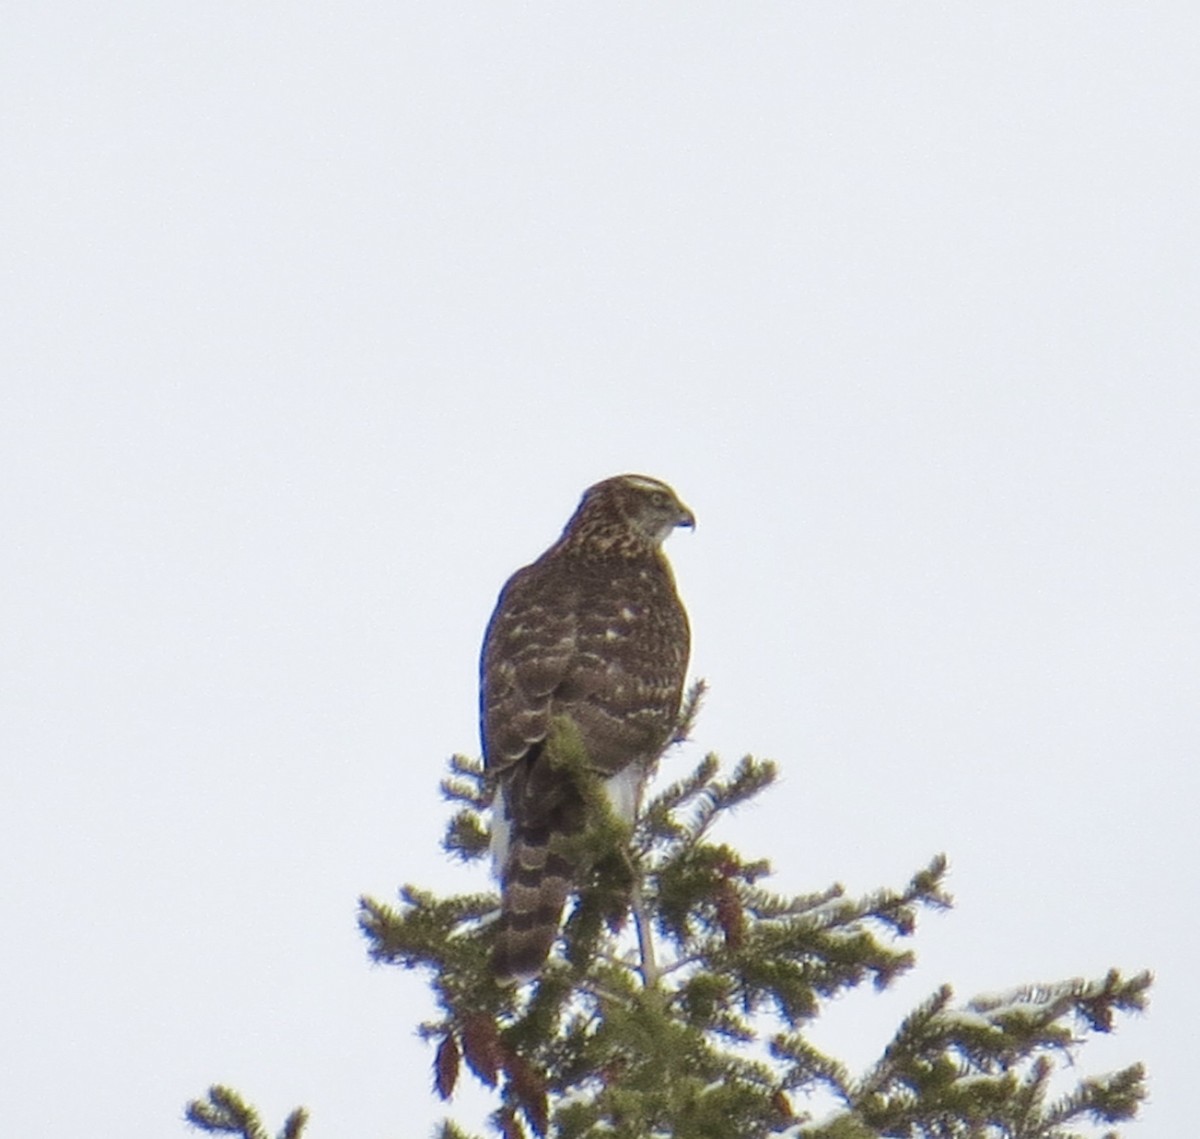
{"x":467,"y":783}
{"x":225,"y":1112}
{"x":693,"y":699}
{"x":657,"y":822}
{"x":690,"y":1019}
{"x":645,"y":938}
{"x":988,"y":1064}
{"x":450,"y":1130}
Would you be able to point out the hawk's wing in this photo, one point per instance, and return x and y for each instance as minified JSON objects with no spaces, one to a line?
{"x":528,"y":650}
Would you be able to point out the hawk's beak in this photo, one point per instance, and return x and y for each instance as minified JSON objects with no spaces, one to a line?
{"x":687,"y":518}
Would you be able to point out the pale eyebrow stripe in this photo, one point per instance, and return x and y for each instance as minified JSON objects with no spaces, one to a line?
{"x":646,"y":483}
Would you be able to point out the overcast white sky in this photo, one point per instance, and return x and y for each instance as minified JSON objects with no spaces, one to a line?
{"x":318,"y":318}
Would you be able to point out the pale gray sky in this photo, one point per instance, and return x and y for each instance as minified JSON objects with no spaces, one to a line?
{"x":318,"y":318}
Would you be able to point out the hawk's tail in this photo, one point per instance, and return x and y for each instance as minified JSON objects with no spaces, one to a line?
{"x":537,"y":879}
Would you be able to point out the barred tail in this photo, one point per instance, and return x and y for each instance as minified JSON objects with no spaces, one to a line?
{"x":537,"y":879}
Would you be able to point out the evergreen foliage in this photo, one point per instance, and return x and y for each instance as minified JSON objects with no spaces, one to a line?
{"x":689,"y":1021}
{"x":224,"y":1112}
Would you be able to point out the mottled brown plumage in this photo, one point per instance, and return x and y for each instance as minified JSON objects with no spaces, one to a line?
{"x":594,"y":631}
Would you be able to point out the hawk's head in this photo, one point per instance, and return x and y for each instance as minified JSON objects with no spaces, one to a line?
{"x":638,"y":505}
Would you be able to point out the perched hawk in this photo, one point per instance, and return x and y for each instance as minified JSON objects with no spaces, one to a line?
{"x":594,"y":631}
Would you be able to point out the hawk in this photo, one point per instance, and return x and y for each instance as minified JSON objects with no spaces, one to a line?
{"x":593,"y":631}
